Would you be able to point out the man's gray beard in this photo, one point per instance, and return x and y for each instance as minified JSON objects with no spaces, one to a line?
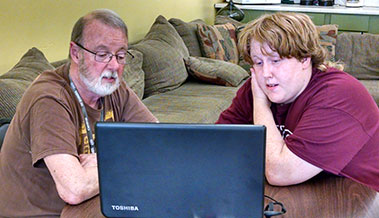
{"x":95,"y":85}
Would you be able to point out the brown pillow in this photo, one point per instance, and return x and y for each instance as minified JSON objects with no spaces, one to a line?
{"x":219,"y":42}
{"x":163,"y":52}
{"x":215,"y":71}
{"x":31,"y":64}
{"x":188,"y":33}
{"x":59,"y":63}
{"x":328,"y":36}
{"x":14,"y":83}
{"x":133,"y":74}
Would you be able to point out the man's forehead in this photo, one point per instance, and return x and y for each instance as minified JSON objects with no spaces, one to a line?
{"x":102,"y":34}
{"x":95,"y":26}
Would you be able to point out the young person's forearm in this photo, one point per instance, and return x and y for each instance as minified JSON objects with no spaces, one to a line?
{"x":274,"y":141}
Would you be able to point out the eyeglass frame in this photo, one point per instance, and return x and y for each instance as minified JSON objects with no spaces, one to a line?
{"x":108,"y":53}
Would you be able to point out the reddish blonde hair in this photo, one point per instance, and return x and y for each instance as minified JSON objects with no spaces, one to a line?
{"x":291,"y":35}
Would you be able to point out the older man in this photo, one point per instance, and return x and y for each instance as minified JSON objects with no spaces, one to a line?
{"x":47,"y":158}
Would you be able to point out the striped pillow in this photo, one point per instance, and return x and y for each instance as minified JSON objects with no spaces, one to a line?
{"x":219,"y":42}
{"x":215,"y":71}
{"x":328,"y":37}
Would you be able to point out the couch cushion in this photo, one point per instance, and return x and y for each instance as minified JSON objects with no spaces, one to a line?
{"x":163,"y":52}
{"x":360,"y":54}
{"x":14,"y":83}
{"x":219,"y":42}
{"x":215,"y":71}
{"x":193,"y":102}
{"x":133,"y":74}
{"x":328,"y":36}
{"x":188,"y":33}
{"x":373,"y":87}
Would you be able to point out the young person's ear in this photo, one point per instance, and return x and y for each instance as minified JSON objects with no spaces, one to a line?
{"x":306,"y":62}
{"x":74,"y":52}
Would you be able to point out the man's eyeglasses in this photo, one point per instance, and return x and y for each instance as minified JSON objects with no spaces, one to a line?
{"x":106,"y":57}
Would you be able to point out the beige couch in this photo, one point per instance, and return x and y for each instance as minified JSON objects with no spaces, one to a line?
{"x":158,"y":74}
{"x":360,"y":54}
{"x":178,"y":88}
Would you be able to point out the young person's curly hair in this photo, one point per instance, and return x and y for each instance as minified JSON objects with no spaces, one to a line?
{"x":291,"y":35}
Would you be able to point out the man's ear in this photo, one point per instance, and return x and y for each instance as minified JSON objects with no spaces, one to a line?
{"x":74,"y":52}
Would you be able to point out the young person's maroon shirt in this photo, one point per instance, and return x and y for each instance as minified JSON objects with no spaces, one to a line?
{"x":333,"y":124}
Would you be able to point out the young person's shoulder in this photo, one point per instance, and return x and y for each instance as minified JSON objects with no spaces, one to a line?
{"x":335,"y":89}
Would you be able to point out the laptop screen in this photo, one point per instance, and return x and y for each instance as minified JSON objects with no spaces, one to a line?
{"x":180,"y":170}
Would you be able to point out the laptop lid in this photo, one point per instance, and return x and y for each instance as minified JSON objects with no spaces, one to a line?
{"x":180,"y":170}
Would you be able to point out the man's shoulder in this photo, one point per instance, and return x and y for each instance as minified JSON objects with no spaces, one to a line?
{"x":49,"y":84}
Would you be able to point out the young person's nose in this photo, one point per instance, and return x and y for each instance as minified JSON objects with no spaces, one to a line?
{"x":267,"y":70}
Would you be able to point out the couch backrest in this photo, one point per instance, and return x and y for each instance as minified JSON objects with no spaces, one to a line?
{"x":360,"y":54}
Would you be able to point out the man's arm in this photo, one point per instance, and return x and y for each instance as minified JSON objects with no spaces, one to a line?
{"x":76,"y":180}
{"x":282,"y":166}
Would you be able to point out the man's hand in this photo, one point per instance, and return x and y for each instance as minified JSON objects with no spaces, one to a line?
{"x":258,"y":95}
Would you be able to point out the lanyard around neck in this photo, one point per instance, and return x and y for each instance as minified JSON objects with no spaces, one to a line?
{"x":86,"y":120}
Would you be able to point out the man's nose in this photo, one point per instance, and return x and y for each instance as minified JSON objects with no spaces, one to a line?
{"x":113,"y":63}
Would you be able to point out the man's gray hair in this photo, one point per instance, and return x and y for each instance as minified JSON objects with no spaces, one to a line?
{"x":106,"y":16}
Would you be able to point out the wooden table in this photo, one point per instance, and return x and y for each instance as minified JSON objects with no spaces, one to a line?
{"x":323,"y":196}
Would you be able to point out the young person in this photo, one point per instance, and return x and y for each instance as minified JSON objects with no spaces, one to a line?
{"x":318,"y":117}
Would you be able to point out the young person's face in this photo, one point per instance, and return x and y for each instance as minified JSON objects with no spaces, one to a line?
{"x":102,"y":78}
{"x":281,"y":79}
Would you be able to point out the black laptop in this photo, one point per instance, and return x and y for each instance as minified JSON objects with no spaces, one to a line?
{"x":181,"y":170}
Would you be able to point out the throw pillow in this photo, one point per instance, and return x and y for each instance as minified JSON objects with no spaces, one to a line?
{"x":188,"y":33}
{"x":59,"y":63}
{"x":221,"y":19}
{"x":163,"y":51}
{"x":328,"y":36}
{"x":215,"y":71}
{"x":360,"y":54}
{"x":219,"y":42}
{"x":31,"y":64}
{"x":133,"y":74}
{"x":14,"y":83}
